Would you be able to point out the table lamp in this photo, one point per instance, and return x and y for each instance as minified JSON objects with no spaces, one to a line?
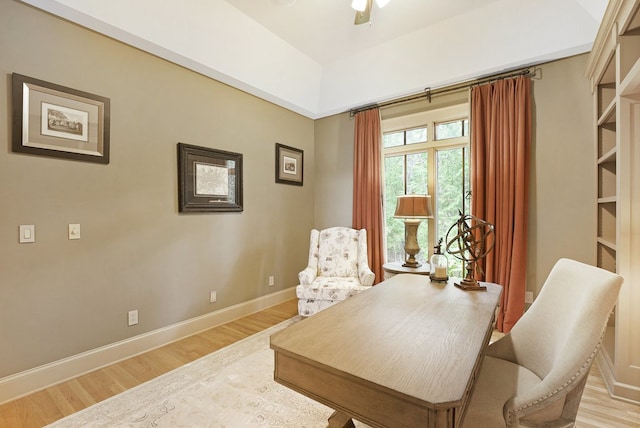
{"x":412,"y":209}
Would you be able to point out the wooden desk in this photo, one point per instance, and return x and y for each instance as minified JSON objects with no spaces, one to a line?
{"x":402,"y":354}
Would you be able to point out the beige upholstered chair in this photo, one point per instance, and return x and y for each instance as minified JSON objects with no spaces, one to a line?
{"x":338,"y":268}
{"x":535,"y":375}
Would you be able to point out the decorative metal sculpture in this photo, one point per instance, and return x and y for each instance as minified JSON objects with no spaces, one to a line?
{"x":470,"y":239}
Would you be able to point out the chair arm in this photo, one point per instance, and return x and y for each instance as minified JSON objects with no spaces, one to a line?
{"x":308,"y":275}
{"x":366,"y":275}
{"x":504,"y":349}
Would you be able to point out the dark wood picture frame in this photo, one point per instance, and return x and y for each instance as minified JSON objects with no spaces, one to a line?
{"x":209,"y":180}
{"x":56,"y":121}
{"x":289,"y":165}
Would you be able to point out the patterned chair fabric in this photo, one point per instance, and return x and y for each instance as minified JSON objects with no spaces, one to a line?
{"x":338,"y":268}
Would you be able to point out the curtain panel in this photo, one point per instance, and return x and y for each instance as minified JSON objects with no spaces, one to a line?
{"x":500,"y":145}
{"x":367,"y":186}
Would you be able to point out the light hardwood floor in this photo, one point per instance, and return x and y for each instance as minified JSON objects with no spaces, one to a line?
{"x":53,"y":403}
{"x":597,"y":409}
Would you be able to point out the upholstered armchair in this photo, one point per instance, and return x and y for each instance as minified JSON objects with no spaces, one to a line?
{"x":535,"y":375}
{"x":338,"y":268}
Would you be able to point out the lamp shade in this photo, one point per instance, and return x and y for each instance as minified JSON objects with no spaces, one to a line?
{"x":413,"y":207}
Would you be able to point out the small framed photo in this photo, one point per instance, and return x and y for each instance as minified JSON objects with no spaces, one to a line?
{"x":209,"y":180}
{"x":289,"y":165}
{"x":53,"y":120}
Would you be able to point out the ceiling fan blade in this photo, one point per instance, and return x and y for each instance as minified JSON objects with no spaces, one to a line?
{"x":365,"y":15}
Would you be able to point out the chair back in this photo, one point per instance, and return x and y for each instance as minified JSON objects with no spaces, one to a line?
{"x":338,"y":252}
{"x":558,"y":337}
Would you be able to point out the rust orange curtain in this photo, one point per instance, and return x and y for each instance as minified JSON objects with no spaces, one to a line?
{"x":367,"y":185}
{"x":500,"y":144}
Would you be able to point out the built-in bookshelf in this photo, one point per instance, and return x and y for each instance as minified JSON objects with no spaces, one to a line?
{"x":607,"y":152}
{"x":614,"y":70}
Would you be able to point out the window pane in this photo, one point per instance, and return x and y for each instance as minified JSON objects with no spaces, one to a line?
{"x":417,"y":174}
{"x":393,"y":187}
{"x":452,"y":129}
{"x":393,"y":139}
{"x":450,"y":193}
{"x":415,"y":179}
{"x":417,"y":184}
{"x":417,"y":135}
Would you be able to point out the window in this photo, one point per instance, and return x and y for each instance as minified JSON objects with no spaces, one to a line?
{"x":431,"y":158}
{"x":452,"y":129}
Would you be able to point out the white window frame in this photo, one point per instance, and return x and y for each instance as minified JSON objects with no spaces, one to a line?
{"x":429,"y":119}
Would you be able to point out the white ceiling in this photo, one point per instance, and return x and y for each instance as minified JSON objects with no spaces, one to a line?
{"x":308,"y":56}
{"x":324,"y":29}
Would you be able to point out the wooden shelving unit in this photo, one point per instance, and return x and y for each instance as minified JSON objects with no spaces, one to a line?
{"x":614,"y":70}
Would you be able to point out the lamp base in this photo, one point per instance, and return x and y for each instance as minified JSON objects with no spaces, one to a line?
{"x":411,"y":264}
{"x":411,"y":246}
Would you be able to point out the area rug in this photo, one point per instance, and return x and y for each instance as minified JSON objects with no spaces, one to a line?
{"x":229,"y":388}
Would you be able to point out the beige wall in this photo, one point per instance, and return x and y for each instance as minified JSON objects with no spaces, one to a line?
{"x":60,"y":297}
{"x":334,"y":171}
{"x":561,"y":213}
{"x":562,"y":216}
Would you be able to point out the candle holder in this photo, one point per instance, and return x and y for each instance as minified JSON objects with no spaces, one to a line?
{"x":439,"y":265}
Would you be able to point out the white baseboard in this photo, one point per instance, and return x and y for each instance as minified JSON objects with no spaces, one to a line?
{"x":29,"y":381}
{"x":617,"y":390}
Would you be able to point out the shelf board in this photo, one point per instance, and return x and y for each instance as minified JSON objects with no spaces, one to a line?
{"x":609,"y":114}
{"x":607,"y":243}
{"x":631,"y":83}
{"x":608,"y":200}
{"x":630,"y":25}
{"x":610,"y":156}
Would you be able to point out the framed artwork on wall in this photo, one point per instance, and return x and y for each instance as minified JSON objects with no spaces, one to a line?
{"x":209,"y":180}
{"x":53,"y":120}
{"x":289,"y":165}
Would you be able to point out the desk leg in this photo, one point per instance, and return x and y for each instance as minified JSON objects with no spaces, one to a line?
{"x":340,"y":420}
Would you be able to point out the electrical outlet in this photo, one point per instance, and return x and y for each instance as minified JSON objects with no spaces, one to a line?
{"x":272,"y":281}
{"x":212,"y":297}
{"x":133,"y":317}
{"x":528,"y":296}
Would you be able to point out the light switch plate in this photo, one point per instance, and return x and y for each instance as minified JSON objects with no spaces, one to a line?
{"x":74,"y":231}
{"x":27,"y":233}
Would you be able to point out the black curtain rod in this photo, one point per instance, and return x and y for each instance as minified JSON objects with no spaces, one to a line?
{"x":428,"y":92}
